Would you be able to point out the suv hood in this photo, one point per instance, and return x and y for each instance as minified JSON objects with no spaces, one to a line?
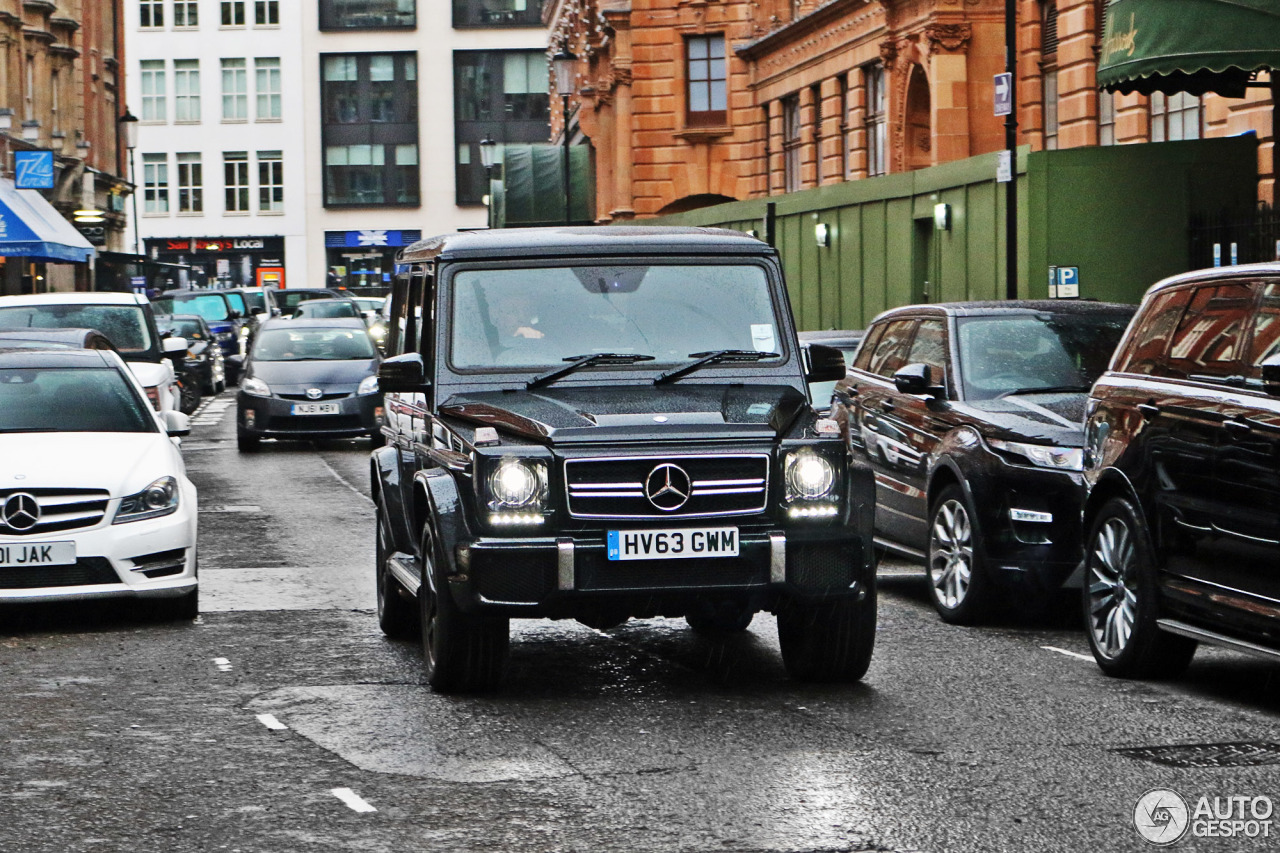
{"x":121,"y":462}
{"x":621,"y":413}
{"x":1056,"y":419}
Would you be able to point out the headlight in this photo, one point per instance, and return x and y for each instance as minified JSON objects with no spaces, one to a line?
{"x":255,"y":387}
{"x":244,"y":331}
{"x":518,"y":484}
{"x":368,"y":385}
{"x":1042,"y":455}
{"x":377,"y":331}
{"x":809,"y":476}
{"x":159,"y":498}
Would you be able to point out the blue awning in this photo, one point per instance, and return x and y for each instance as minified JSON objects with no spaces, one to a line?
{"x":30,"y":227}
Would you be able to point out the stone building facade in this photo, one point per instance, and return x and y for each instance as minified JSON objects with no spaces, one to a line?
{"x":814,"y":92}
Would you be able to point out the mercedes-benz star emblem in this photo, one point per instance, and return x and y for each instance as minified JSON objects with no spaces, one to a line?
{"x":668,"y":487}
{"x":314,"y":393}
{"x":21,"y":512}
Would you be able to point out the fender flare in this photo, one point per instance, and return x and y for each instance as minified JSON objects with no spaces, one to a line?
{"x":438,"y":510}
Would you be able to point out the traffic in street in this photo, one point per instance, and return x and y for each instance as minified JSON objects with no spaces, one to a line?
{"x":283,"y":719}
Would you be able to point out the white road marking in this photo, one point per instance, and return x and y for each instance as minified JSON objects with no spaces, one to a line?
{"x":353,"y":801}
{"x":343,"y":480}
{"x":1069,"y":654}
{"x":223,"y":664}
{"x":271,"y":722}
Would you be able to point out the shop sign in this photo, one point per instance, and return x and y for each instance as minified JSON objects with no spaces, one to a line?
{"x":33,"y":170}
{"x":370,"y":238}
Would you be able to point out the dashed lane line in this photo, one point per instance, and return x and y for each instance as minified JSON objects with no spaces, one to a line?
{"x":353,"y":800}
{"x":1069,"y":654}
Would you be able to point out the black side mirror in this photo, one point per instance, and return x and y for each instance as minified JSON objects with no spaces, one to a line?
{"x":403,"y":374}
{"x":1271,"y":375}
{"x":917,"y":379}
{"x":826,"y":364}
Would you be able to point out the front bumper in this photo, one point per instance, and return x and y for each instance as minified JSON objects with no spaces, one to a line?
{"x":272,"y":417}
{"x":155,"y":558}
{"x":557,"y":576}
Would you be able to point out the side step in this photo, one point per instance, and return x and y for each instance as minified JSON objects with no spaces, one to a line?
{"x":405,"y":569}
{"x":1182,"y":629}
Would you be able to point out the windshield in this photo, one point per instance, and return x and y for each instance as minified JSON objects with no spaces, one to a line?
{"x":124,"y":325}
{"x":70,"y":399}
{"x":290,"y":299}
{"x":211,"y":306}
{"x":1020,"y":353}
{"x":256,"y":301}
{"x":189,"y":329}
{"x":237,"y":303}
{"x":312,"y":345}
{"x":537,"y":318}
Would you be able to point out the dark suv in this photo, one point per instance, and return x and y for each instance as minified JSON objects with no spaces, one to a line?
{"x":609,"y":423}
{"x":1183,"y":466}
{"x":971,"y":415}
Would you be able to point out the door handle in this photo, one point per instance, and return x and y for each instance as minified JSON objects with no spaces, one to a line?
{"x":1237,"y":428}
{"x":1148,"y":410}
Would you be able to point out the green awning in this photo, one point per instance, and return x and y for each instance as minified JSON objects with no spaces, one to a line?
{"x":1192,"y":46}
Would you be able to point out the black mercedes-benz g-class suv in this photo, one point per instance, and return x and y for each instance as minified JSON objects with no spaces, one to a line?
{"x":606,"y":423}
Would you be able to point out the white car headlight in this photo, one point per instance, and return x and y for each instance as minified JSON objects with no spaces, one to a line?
{"x":368,"y":385}
{"x":159,"y":498}
{"x":809,"y":476}
{"x":1043,"y":455}
{"x":255,"y":387}
{"x":518,"y":484}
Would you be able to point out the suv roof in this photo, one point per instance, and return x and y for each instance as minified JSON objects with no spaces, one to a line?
{"x":613,"y":240}
{"x":1014,"y":306}
{"x":1271,"y":268}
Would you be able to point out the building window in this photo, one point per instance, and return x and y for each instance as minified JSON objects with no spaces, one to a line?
{"x":235,"y":177}
{"x":29,"y":89}
{"x":368,"y":14}
{"x":791,"y":143}
{"x":1049,"y":70}
{"x":497,"y":13}
{"x":1106,"y":118}
{"x":873,"y":75}
{"x":267,"y":72}
{"x":190,"y":184}
{"x":270,"y":182}
{"x":155,"y":183}
{"x":151,"y":14}
{"x":55,"y":103}
{"x":843,"y":83}
{"x":266,"y":13}
{"x":815,"y":98}
{"x":233,"y":13}
{"x":1175,"y":117}
{"x":1051,"y":110}
{"x":186,"y":90}
{"x":235,"y":90}
{"x":500,"y":94}
{"x":151,"y":82}
{"x":370,"y":128}
{"x":706,"y":80}
{"x":186,"y":13}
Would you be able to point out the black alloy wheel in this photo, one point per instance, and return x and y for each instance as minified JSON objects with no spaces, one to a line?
{"x":1120,"y":599}
{"x":959,"y":586}
{"x":397,"y":617}
{"x":828,"y":641}
{"x":188,"y":395}
{"x":462,"y":653}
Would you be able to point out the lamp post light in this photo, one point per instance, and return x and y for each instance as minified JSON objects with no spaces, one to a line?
{"x":129,"y":122}
{"x":563,"y":64}
{"x":488,"y":158}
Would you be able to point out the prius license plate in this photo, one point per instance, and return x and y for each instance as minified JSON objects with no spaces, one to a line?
{"x":315,"y":409}
{"x":676,"y":544}
{"x":38,"y":554}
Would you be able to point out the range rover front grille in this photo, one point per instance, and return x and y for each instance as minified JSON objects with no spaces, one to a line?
{"x":703,"y":485}
{"x":59,"y":509}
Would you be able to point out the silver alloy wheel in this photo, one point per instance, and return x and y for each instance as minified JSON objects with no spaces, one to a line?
{"x":951,"y":554}
{"x":1113,"y":600}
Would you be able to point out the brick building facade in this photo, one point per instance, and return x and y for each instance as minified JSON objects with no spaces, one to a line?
{"x":693,"y":102}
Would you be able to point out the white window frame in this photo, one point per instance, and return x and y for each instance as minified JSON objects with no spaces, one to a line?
{"x":151,"y":83}
{"x":235,"y":90}
{"x":190,"y":184}
{"x":236,"y":183}
{"x":186,"y":14}
{"x":270,"y":181}
{"x":186,"y":91}
{"x":268,"y":88}
{"x":272,"y":10}
{"x":233,"y":10}
{"x":155,"y":184}
{"x":876,"y":108}
{"x":151,"y":14}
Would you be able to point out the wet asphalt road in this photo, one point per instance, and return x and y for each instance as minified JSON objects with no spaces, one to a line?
{"x":282,"y":720}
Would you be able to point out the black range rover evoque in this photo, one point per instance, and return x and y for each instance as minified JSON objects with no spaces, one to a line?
{"x":606,"y":423}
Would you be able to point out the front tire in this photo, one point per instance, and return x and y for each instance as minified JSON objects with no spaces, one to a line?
{"x":397,"y":617}
{"x":462,"y":653}
{"x":1120,"y":599}
{"x":959,"y":586}
{"x":828,"y":641}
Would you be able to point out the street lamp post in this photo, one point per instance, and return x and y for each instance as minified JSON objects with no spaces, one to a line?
{"x":129,"y":122}
{"x":563,"y":63}
{"x":488,"y":157}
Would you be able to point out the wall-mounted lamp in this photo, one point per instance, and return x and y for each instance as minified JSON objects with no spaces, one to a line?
{"x":31,"y":130}
{"x":6,"y":119}
{"x":942,"y":217}
{"x":822,"y":234}
{"x":89,"y":216}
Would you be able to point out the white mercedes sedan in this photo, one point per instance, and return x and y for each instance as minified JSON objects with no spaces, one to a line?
{"x":94,"y":496}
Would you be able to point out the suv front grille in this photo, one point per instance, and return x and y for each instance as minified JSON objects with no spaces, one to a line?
{"x":615,"y":487}
{"x":60,"y":509}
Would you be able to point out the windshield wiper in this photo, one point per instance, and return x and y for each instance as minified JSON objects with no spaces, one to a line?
{"x":1048,"y":389}
{"x":718,"y":356}
{"x":577,"y":362}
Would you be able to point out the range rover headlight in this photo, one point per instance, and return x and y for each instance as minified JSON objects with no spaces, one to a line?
{"x":1042,"y":455}
{"x":159,"y":498}
{"x":518,"y":485}
{"x":255,"y":387}
{"x":809,"y":476}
